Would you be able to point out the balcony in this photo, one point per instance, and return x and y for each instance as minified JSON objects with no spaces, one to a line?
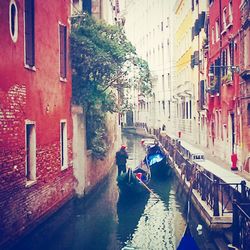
{"x":214,"y":87}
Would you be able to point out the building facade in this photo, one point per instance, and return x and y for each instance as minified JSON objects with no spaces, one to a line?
{"x":244,"y":97}
{"x":198,"y":67}
{"x":184,"y":86}
{"x":36,"y":127}
{"x":223,"y":61}
{"x":148,"y":27}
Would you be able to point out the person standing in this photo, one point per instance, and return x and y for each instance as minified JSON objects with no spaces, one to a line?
{"x":121,"y":159}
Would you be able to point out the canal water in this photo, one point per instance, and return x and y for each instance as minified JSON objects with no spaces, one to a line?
{"x":106,"y":221}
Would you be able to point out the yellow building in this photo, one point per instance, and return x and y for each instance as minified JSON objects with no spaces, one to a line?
{"x":183,"y":84}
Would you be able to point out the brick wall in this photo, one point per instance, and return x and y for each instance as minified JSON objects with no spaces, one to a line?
{"x":22,"y":207}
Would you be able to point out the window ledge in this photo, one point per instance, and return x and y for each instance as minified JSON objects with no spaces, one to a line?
{"x":64,"y":167}
{"x":32,"y":68}
{"x":63,"y":79}
{"x":229,"y":25}
{"x":223,"y":32}
{"x":30,"y":183}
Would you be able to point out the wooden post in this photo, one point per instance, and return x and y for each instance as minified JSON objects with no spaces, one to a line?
{"x":216,"y":197}
{"x":194,"y":176}
{"x":203,"y":186}
{"x":188,"y":172}
{"x":243,"y":191}
{"x":235,"y":225}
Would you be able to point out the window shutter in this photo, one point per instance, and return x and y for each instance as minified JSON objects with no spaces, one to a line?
{"x":193,"y":32}
{"x":202,"y":91}
{"x":63,"y":51}
{"x":29,"y":32}
{"x":196,"y":57}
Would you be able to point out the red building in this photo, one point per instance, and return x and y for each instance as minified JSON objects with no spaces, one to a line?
{"x":223,"y":64}
{"x":245,"y":82}
{"x":36,"y":174}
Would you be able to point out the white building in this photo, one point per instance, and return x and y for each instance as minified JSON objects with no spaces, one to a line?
{"x":148,"y":27}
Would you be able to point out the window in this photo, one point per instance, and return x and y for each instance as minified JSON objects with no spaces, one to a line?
{"x":192,"y":3}
{"x":30,"y":149}
{"x":217,"y":29}
{"x":190,"y":109}
{"x":213,"y":35}
{"x":186,"y":110}
{"x":230,"y":12}
{"x":76,"y":7}
{"x":13,"y":20}
{"x":224,"y":62}
{"x":63,"y":144}
{"x":225,"y":18}
{"x":63,"y":50}
{"x":29,"y":33}
{"x":87,"y":6}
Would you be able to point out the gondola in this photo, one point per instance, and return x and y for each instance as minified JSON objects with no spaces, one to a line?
{"x":187,"y":241}
{"x":134,"y":181}
{"x":156,"y":159}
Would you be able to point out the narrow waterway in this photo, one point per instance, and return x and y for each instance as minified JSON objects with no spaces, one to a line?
{"x":104,"y":220}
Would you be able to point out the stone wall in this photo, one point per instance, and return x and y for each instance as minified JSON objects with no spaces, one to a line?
{"x":97,"y":170}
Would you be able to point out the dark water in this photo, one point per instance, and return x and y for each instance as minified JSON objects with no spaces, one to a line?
{"x":106,"y":221}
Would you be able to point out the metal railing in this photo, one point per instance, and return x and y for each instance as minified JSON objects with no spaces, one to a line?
{"x":241,"y":225}
{"x":222,"y":198}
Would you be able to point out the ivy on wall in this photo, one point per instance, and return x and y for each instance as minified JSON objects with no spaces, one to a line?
{"x":104,"y":63}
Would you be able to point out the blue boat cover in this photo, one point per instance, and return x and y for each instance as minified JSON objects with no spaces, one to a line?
{"x":155,"y":158}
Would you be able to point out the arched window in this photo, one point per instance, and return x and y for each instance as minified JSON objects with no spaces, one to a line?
{"x":13,"y":20}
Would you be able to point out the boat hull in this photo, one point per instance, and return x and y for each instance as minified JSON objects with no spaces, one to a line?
{"x":159,"y":168}
{"x":130,"y":185}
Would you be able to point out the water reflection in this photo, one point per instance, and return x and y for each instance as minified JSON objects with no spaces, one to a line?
{"x":129,"y":212}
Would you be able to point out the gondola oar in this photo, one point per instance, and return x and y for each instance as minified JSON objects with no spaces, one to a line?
{"x":145,"y":186}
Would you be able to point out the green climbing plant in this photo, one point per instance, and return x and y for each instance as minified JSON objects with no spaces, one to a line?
{"x":104,"y":63}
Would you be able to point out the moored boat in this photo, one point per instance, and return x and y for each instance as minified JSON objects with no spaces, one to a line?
{"x":187,"y":241}
{"x":134,"y":181}
{"x":156,"y":159}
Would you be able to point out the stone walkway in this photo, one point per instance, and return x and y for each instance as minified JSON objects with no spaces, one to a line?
{"x":221,"y":163}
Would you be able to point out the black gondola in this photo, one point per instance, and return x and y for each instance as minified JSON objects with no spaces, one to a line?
{"x":134,"y":181}
{"x":187,"y":241}
{"x":156,"y":159}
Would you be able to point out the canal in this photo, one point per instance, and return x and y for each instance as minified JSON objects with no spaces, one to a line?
{"x":103,"y":220}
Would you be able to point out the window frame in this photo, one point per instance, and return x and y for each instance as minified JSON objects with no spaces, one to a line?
{"x":28,"y":65}
{"x":31,"y":166}
{"x":62,"y":65}
{"x":63,"y":145}
{"x":217,"y":30}
{"x":15,"y":35}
